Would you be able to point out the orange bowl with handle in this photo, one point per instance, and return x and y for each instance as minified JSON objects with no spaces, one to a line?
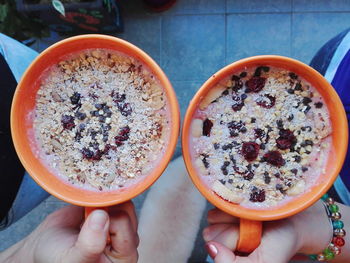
{"x":250,"y":222}
{"x":24,"y":102}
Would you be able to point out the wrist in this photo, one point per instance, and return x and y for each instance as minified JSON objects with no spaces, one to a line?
{"x":313,"y":228}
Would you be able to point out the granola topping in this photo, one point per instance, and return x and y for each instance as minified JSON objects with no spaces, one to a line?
{"x":264,"y":133}
{"x":101,"y":120}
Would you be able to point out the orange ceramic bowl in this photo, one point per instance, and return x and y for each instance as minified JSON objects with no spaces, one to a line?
{"x":24,"y":102}
{"x":336,"y":157}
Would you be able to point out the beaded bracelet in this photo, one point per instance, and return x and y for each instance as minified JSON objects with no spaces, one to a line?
{"x":334,"y":247}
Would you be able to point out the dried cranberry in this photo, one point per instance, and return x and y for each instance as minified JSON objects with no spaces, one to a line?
{"x":68,"y":122}
{"x":257,"y":195}
{"x":124,"y":108}
{"x":250,"y":150}
{"x":122,"y":136}
{"x":255,"y":84}
{"x":286,"y":139}
{"x":318,"y":105}
{"x":207,"y":125}
{"x":274,"y":158}
{"x":75,"y":98}
{"x":249,"y":176}
{"x":266,"y":101}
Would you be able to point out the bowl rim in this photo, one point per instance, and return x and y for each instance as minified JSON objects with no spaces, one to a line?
{"x":106,"y":199}
{"x":281,"y":211}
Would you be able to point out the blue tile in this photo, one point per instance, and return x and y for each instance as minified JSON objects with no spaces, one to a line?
{"x":258,"y":6}
{"x":185,"y":91}
{"x":257,"y":34}
{"x":197,"y":7}
{"x":132,"y":7}
{"x":312,"y":30}
{"x":321,"y":5}
{"x":144,"y":32}
{"x":193,"y":47}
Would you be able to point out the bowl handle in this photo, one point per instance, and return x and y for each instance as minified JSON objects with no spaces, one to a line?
{"x":88,"y":211}
{"x":249,"y":235}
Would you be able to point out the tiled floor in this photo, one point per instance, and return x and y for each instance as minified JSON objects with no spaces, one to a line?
{"x":195,"y":38}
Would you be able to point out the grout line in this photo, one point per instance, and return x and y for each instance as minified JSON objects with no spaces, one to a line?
{"x":244,"y":13}
{"x":160,"y":40}
{"x":225,"y":45}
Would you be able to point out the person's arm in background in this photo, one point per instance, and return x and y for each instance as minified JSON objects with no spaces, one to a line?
{"x":59,"y":238}
{"x":308,"y":232}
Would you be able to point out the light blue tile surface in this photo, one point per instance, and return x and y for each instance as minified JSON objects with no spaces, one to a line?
{"x":321,"y":5}
{"x":311,"y":30}
{"x":144,"y":32}
{"x":258,"y":6}
{"x":197,"y":7}
{"x":193,"y":47}
{"x":257,"y":34}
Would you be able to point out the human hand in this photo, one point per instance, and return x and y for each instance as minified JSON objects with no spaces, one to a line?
{"x":308,"y":232}
{"x":59,"y":238}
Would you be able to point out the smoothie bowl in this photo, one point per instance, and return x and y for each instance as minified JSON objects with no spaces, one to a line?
{"x":94,"y":120}
{"x":264,"y":138}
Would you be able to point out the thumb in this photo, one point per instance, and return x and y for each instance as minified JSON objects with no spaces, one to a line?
{"x":92,"y":238}
{"x":220,"y":253}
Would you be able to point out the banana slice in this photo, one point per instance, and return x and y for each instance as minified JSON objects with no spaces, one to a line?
{"x":197,"y":128}
{"x":200,"y":166}
{"x":226,"y":193}
{"x":212,"y":95}
{"x":156,"y":102}
{"x":298,"y":188}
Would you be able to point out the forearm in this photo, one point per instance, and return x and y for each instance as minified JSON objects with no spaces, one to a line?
{"x":315,"y":231}
{"x":18,"y":253}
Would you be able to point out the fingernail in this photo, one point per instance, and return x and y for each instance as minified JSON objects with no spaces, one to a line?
{"x":98,"y":220}
{"x":212,"y":250}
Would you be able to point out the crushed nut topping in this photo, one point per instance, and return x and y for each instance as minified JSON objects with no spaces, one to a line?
{"x":101,"y":119}
{"x":264,"y":133}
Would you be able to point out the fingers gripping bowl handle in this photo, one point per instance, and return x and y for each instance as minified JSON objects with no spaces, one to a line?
{"x":89,"y":210}
{"x":249,"y":235}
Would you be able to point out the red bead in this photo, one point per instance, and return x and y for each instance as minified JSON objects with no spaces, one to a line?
{"x":338,"y":241}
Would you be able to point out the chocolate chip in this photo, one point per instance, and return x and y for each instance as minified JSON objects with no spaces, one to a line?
{"x":225,"y":92}
{"x":80,"y":115}
{"x":279,"y":124}
{"x":257,"y":195}
{"x":306,"y":100}
{"x":243,"y":74}
{"x":290,"y":117}
{"x":297,"y":158}
{"x":249,"y":176}
{"x":230,"y":181}
{"x":99,"y":106}
{"x":290,"y":91}
{"x":216,"y":146}
{"x":252,"y":120}
{"x":244,"y":96}
{"x":294,"y":171}
{"x":227,"y":146}
{"x":292,"y":75}
{"x":298,"y":87}
{"x":75,"y":98}
{"x":205,"y":161}
{"x":224,"y":170}
{"x":267,"y":178}
{"x":279,"y":187}
{"x":235,"y":78}
{"x":304,"y":169}
{"x":309,"y":142}
{"x":222,"y":181}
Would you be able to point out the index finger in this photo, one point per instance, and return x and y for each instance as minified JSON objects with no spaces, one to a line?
{"x":127,"y":207}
